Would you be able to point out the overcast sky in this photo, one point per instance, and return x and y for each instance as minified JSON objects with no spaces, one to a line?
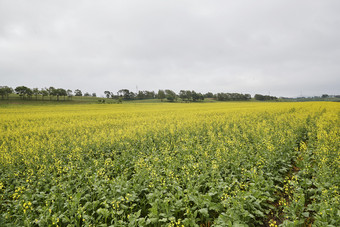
{"x":277,"y":47}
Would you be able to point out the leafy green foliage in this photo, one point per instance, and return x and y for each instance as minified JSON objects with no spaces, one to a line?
{"x":170,"y":165}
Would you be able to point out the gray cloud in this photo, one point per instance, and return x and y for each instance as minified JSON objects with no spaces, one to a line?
{"x":280,"y":47}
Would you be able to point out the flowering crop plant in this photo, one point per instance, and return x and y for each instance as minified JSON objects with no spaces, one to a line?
{"x":170,"y":164}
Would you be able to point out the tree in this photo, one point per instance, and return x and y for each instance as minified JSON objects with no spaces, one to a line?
{"x":69,"y":93}
{"x":60,"y":92}
{"x":232,"y":97}
{"x":51,"y":92}
{"x":140,"y":95}
{"x":145,"y":95}
{"x":264,"y":97}
{"x":126,"y":94}
{"x":87,"y":94}
{"x":161,"y":95}
{"x":63,"y":92}
{"x":36,"y":92}
{"x":2,"y":92}
{"x":183,"y":95}
{"x":132,"y":95}
{"x":190,"y":95}
{"x":107,"y":93}
{"x":187,"y":95}
{"x":43,"y":93}
{"x":170,"y":95}
{"x":94,"y":95}
{"x":78,"y":92}
{"x":123,"y":92}
{"x":23,"y":91}
{"x":5,"y":91}
{"x":195,"y":96}
{"x":209,"y":95}
{"x":20,"y":90}
{"x":149,"y":94}
{"x":29,"y":93}
{"x":201,"y":96}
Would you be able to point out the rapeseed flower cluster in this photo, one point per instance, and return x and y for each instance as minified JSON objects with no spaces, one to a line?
{"x":170,"y":164}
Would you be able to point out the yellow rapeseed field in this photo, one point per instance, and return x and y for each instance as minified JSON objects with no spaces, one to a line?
{"x":170,"y":164}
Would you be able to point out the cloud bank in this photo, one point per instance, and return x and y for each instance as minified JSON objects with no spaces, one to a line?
{"x":282,"y":48}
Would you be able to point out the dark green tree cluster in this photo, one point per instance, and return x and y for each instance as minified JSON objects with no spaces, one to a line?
{"x":166,"y":94}
{"x":126,"y":94}
{"x":209,"y":95}
{"x":24,"y":92}
{"x":5,"y":91}
{"x":78,"y":92}
{"x":188,"y":96}
{"x":264,"y":97}
{"x":232,"y":97}
{"x":109,"y":94}
{"x":57,"y":92}
{"x":52,"y":92}
{"x":161,"y":95}
{"x":146,"y":95}
{"x":170,"y":95}
{"x":87,"y":94}
{"x":28,"y":93}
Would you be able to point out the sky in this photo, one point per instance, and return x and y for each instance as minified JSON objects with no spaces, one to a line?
{"x":273,"y":47}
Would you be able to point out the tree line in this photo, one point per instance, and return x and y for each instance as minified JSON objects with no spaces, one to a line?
{"x":183,"y":95}
{"x":264,"y":97}
{"x":51,"y":92}
{"x":125,"y":94}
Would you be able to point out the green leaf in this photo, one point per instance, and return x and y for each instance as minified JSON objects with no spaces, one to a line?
{"x":203,"y":211}
{"x":172,"y":218}
{"x":152,"y":220}
{"x":163,"y":220}
{"x":138,"y":213}
{"x":259,"y":213}
{"x":120,"y":212}
{"x":305,"y":214}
